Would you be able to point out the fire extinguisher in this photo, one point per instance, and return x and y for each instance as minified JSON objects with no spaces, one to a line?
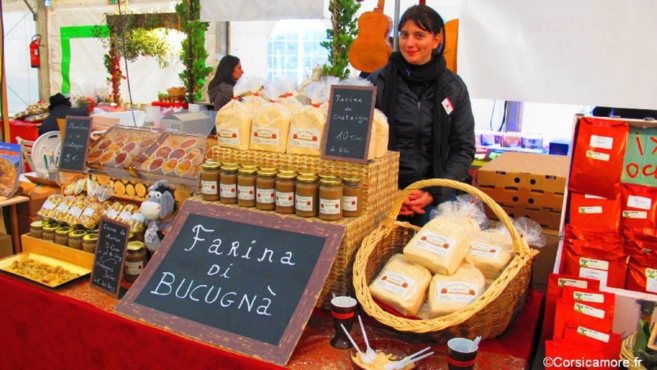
{"x":35,"y":60}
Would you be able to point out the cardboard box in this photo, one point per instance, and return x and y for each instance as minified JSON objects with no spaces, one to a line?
{"x":197,"y":123}
{"x":537,"y":172}
{"x":524,"y":197}
{"x":6,"y":247}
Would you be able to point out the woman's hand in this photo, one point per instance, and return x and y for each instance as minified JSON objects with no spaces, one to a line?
{"x":415,"y":203}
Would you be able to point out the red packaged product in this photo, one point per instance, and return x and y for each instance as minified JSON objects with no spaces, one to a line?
{"x":599,"y":237}
{"x":556,"y":283}
{"x":593,"y":315}
{"x":641,"y":268}
{"x":593,"y":213}
{"x":582,"y":343}
{"x":606,"y":262}
{"x":638,"y":206}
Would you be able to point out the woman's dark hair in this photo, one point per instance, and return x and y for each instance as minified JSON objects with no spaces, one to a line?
{"x":425,"y":17}
{"x":225,"y":71}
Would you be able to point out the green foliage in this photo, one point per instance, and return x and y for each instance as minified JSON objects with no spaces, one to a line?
{"x":193,"y":49}
{"x":153,"y":43}
{"x":340,"y":37}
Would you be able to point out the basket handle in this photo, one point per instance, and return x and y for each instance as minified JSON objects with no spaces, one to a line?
{"x":519,"y":245}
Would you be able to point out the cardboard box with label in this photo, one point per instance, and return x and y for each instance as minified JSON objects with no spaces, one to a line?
{"x":197,"y":123}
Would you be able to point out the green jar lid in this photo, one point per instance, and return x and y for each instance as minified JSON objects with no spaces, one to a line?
{"x":63,"y":230}
{"x":37,"y":224}
{"x":90,"y":237}
{"x":76,"y":233}
{"x":136,"y":245}
{"x":50,"y":227}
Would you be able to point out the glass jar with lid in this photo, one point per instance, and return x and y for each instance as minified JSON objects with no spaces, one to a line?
{"x":61,"y":235}
{"x":210,"y":180}
{"x":246,"y":178}
{"x":89,"y":242}
{"x":352,"y":197}
{"x":135,"y":258}
{"x":305,"y":202}
{"x":49,"y":232}
{"x":285,"y":184}
{"x":265,"y":189}
{"x":75,"y":238}
{"x":36,"y":229}
{"x":330,"y":198}
{"x":228,"y":184}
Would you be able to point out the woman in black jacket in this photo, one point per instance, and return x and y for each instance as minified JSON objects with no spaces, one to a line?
{"x":428,"y":110}
{"x":220,"y":89}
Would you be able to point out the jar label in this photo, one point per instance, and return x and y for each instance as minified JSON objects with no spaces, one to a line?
{"x":265,"y":196}
{"x":284,"y":199}
{"x":350,"y":203}
{"x":265,"y":135}
{"x":228,"y":190}
{"x":246,"y":192}
{"x":304,"y":138}
{"x":134,"y":268}
{"x":229,"y":136}
{"x":330,"y":206}
{"x":209,"y":187}
{"x":304,"y":203}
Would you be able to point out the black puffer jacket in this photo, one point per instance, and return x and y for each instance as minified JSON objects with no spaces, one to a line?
{"x":428,"y":149}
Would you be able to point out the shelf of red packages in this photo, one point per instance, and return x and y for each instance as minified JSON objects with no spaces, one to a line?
{"x":88,"y":334}
{"x":24,"y":130}
{"x":166,"y":104}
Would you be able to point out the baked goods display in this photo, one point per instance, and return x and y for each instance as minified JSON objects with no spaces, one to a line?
{"x":8,"y":177}
{"x":122,"y":147}
{"x":178,"y":155}
{"x":51,"y":275}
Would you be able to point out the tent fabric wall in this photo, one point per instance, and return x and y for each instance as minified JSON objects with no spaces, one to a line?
{"x":260,"y":10}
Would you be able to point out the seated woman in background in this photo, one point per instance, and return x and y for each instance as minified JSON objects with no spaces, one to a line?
{"x":220,"y":89}
{"x":60,"y":107}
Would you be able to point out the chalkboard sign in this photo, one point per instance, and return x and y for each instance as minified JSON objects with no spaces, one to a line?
{"x":241,"y":279}
{"x":347,"y":132}
{"x":110,"y":256}
{"x":76,"y":141}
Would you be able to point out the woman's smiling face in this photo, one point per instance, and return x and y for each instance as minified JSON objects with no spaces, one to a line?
{"x":416,"y":45}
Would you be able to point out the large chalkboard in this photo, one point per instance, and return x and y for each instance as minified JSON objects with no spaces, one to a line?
{"x":242,"y":279}
{"x":349,"y":125}
{"x":110,"y":256}
{"x":76,"y":141}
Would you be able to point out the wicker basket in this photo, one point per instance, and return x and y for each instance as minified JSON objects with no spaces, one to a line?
{"x":487,"y":316}
{"x":379,"y":184}
{"x":627,"y":353}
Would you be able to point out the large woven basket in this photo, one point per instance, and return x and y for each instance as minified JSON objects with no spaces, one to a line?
{"x":487,"y":316}
{"x":627,"y":353}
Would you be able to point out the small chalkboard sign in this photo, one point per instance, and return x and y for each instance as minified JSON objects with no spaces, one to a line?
{"x":349,"y":125}
{"x":240,"y":279}
{"x":76,"y":141}
{"x":110,"y":256}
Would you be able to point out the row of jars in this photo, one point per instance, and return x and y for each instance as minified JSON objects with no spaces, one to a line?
{"x":284,"y":191}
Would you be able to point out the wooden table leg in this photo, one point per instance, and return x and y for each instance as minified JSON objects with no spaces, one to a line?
{"x":15,"y":233}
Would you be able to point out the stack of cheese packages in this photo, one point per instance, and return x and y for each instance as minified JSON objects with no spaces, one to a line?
{"x":271,"y":117}
{"x":443,"y":268}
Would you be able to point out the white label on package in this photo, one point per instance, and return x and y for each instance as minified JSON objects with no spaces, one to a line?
{"x":266,"y":135}
{"x":588,"y":297}
{"x":134,"y":268}
{"x":88,"y":212}
{"x":48,"y":205}
{"x":572,"y":282}
{"x":590,"y":311}
{"x":265,"y":196}
{"x":651,"y":280}
{"x":593,"y":210}
{"x":640,"y":215}
{"x":604,"y":142}
{"x":434,"y":243}
{"x":62,"y":207}
{"x":350,"y":203}
{"x":397,"y":284}
{"x":484,"y":250}
{"x":229,"y":136}
{"x":305,"y":138}
{"x":589,"y":196}
{"x":284,"y":199}
{"x":228,"y":190}
{"x":593,"y":263}
{"x":594,"y":274}
{"x":594,"y":334}
{"x":639,"y":202}
{"x":111,"y":213}
{"x":209,"y":187}
{"x":246,"y":192}
{"x":330,"y":206}
{"x":303,"y":203}
{"x":125,"y":216}
{"x":597,"y":156}
{"x":457,"y":292}
{"x":75,"y":211}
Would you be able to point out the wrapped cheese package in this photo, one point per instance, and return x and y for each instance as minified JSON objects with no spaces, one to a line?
{"x":306,"y":131}
{"x":270,"y":128}
{"x":401,"y":285}
{"x":451,"y":293}
{"x":442,"y":244}
{"x":234,"y":125}
{"x":490,"y":252}
{"x":380,"y":134}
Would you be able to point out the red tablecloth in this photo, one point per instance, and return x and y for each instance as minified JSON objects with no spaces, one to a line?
{"x":44,"y":329}
{"x":26,"y":130}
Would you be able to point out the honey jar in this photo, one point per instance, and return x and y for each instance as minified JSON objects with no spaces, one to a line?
{"x":228,"y":184}
{"x":135,"y":257}
{"x":265,"y":189}
{"x":61,"y":235}
{"x":49,"y":232}
{"x":330,"y":198}
{"x":210,"y":180}
{"x":89,"y":242}
{"x":306,"y":196}
{"x":75,"y":238}
{"x":36,"y":229}
{"x":246,"y":179}
{"x":285,"y":184}
{"x":351,"y":197}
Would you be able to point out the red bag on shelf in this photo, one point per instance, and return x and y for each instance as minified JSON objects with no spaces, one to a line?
{"x":638,"y":206}
{"x":593,"y":315}
{"x":593,"y":213}
{"x":556,"y":283}
{"x":642,"y":267}
{"x":598,"y":157}
{"x":582,"y":343}
{"x":606,"y":262}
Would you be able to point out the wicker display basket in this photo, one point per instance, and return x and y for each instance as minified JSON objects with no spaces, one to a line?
{"x":627,"y":353}
{"x":487,"y":316}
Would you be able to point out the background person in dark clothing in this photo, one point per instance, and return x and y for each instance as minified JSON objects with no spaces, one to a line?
{"x":428,"y":110}
{"x":60,"y":107}
{"x":220,"y":89}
